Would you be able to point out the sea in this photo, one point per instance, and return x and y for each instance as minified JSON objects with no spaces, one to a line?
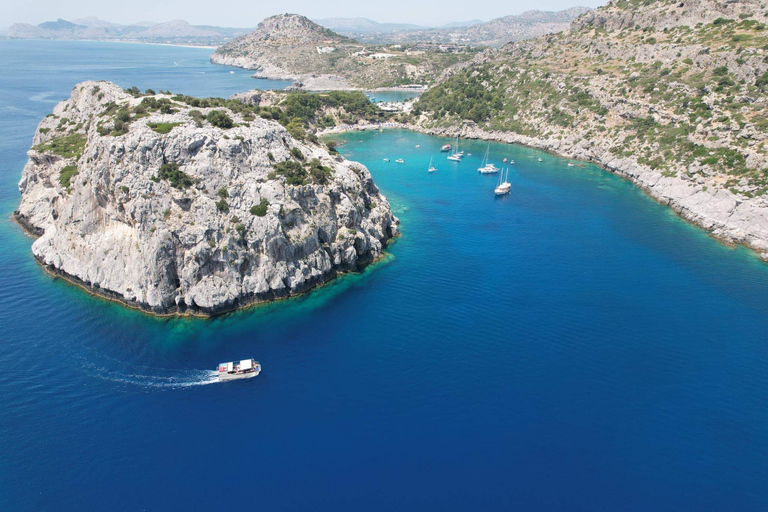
{"x":571,"y":346}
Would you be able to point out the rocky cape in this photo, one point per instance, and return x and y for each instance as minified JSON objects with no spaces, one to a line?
{"x":173,"y":210}
{"x":292,"y":47}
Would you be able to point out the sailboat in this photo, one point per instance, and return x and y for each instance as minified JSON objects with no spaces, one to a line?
{"x":456,"y":155}
{"x":487,"y":167}
{"x":431,"y":167}
{"x":503,"y":186}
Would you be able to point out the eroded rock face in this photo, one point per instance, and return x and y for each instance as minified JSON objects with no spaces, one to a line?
{"x":123,"y":229}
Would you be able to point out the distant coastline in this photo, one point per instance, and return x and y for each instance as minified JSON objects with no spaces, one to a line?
{"x":123,"y":41}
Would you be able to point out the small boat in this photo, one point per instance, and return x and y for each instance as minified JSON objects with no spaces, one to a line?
{"x":571,"y":164}
{"x":418,"y":145}
{"x":399,"y":161}
{"x":446,"y":147}
{"x":511,"y":161}
{"x":454,"y":158}
{"x":245,"y":369}
{"x":505,"y":160}
{"x":386,"y":159}
{"x":487,"y":167}
{"x":431,"y":167}
{"x":503,"y":186}
{"x":540,"y":160}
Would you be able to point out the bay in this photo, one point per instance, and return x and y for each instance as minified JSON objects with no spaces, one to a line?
{"x":571,"y":346}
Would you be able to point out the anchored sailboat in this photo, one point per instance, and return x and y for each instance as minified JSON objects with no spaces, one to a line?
{"x":487,"y":167}
{"x":456,"y":155}
{"x":504,"y":186}
{"x":431,"y":167}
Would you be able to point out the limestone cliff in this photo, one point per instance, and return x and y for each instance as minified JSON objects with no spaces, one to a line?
{"x":181,"y":210}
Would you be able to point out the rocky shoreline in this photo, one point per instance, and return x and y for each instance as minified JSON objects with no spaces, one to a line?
{"x":728,"y":218}
{"x":174,"y":211}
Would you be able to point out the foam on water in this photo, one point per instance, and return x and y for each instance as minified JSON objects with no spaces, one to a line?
{"x":180,"y":379}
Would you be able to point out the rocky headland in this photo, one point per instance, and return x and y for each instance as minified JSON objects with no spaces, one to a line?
{"x":173,"y":206}
{"x":292,"y":47}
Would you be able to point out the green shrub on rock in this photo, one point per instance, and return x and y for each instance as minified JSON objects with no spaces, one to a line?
{"x":260,"y":210}
{"x":66,"y":175}
{"x":220,"y":119}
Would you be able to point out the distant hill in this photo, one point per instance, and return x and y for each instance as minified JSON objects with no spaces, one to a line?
{"x":459,"y":24}
{"x":353,"y":26}
{"x":290,"y":46}
{"x":177,"y":31}
{"x":495,"y":33}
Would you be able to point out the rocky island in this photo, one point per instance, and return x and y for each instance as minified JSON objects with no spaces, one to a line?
{"x":177,"y":205}
{"x":669,"y":94}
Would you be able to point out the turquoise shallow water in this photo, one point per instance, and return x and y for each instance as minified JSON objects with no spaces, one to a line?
{"x":573,"y":346}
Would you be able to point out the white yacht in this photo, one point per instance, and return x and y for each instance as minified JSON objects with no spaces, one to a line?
{"x":456,"y":155}
{"x":431,"y":168}
{"x":399,"y":161}
{"x":446,"y":147}
{"x":504,"y":186}
{"x":487,"y":167}
{"x":386,"y":159}
{"x":571,"y":164}
{"x":245,"y":369}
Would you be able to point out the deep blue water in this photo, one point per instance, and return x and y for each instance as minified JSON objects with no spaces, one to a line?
{"x":573,"y":346}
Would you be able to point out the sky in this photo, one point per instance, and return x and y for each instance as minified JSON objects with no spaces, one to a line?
{"x":248,"y":13}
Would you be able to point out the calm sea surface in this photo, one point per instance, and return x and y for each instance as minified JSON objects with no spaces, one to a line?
{"x":573,"y":346}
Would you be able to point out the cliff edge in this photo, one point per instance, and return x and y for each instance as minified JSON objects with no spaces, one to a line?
{"x":179,"y":209}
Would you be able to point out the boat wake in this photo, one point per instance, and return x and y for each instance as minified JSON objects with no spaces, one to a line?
{"x":178,"y":380}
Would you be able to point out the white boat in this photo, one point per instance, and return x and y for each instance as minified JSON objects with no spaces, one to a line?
{"x":487,"y":167}
{"x":511,"y":161}
{"x":505,"y":160}
{"x":571,"y":164}
{"x":431,"y":167}
{"x":540,"y":160}
{"x":386,"y":159}
{"x":245,"y":369}
{"x":503,"y":186}
{"x":446,"y":147}
{"x":456,"y":155}
{"x":399,"y":161}
{"x":418,"y":145}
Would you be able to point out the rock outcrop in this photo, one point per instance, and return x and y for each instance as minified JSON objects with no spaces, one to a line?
{"x":175,"y":209}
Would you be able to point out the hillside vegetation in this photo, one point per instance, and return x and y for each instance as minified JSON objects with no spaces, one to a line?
{"x":678,"y":87}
